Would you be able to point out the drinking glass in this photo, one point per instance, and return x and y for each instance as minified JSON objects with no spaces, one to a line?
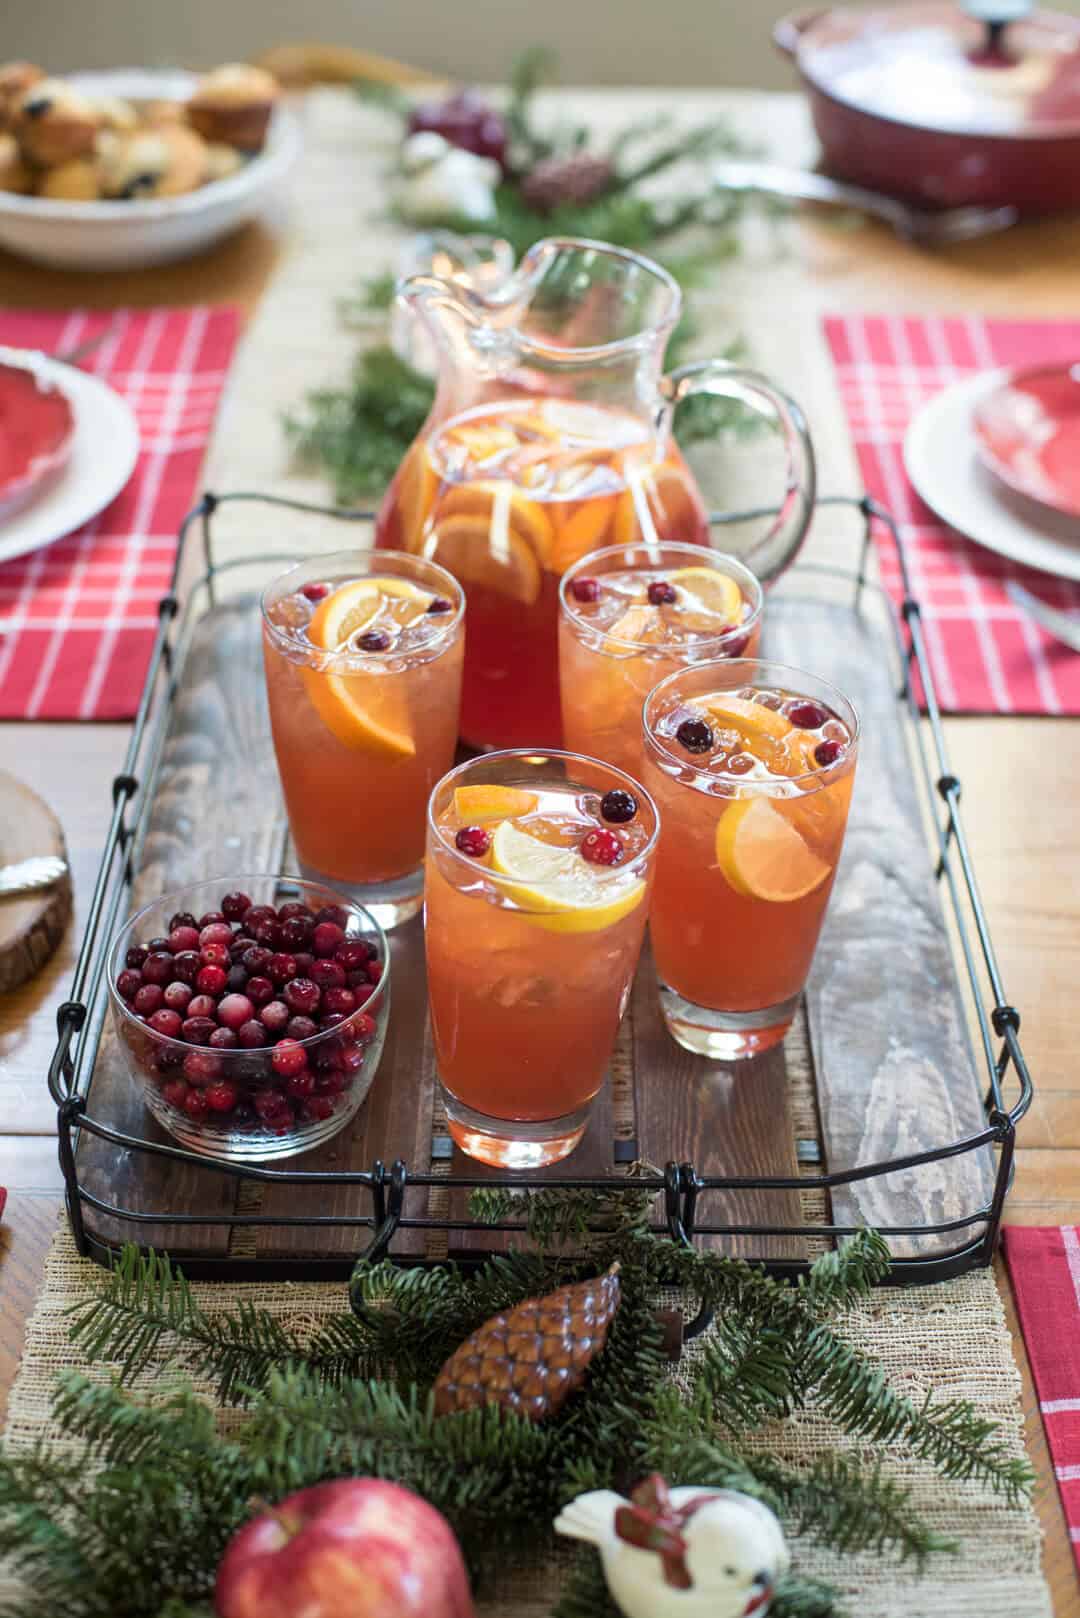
{"x":631,"y":614}
{"x":752,"y":765}
{"x":539,"y":867}
{"x":363,"y":654}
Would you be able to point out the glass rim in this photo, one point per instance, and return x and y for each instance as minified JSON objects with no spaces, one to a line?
{"x":731,"y":564}
{"x":821,"y":777}
{"x":380,"y":991}
{"x":535,"y":754}
{"x":329,"y":659}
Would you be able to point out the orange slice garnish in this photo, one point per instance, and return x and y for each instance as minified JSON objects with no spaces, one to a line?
{"x":639,"y":623}
{"x":709,"y":593}
{"x":416,"y":488}
{"x":751,"y":719}
{"x":493,"y":504}
{"x":465,"y":546}
{"x":581,"y":530}
{"x":364,"y":711}
{"x":763,"y":856}
{"x":493,"y":803}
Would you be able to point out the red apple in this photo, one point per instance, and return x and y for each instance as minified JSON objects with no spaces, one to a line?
{"x":358,"y":1548}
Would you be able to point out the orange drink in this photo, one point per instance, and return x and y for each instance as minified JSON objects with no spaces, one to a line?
{"x":363,"y":655}
{"x":537,"y":886}
{"x":509,"y":495}
{"x":631,"y":614}
{"x":752,"y":765}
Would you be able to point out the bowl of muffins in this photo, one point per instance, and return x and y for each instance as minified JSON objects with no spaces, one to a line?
{"x":130,"y":168}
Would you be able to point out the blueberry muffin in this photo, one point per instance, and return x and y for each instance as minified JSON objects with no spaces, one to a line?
{"x":52,"y":123}
{"x":15,"y":77}
{"x":165,"y":162}
{"x":222,"y":160}
{"x":77,"y":180}
{"x":115,"y":113}
{"x":14,"y":174}
{"x":232,"y":106}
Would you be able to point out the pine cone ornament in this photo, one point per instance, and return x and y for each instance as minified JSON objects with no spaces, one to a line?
{"x":533,"y":1358}
{"x":558,"y":182}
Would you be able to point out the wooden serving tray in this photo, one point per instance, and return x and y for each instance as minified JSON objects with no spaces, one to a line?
{"x":880,"y":1068}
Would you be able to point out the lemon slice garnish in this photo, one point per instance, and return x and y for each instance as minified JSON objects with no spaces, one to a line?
{"x":763,"y":856}
{"x":492,"y":803}
{"x":364,"y":711}
{"x":751,"y":719}
{"x":559,"y":890}
{"x":715,"y":593}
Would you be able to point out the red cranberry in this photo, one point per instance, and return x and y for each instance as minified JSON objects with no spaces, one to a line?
{"x":355,"y":952}
{"x":364,"y":1026}
{"x":327,"y":974}
{"x":195,"y":1104}
{"x":602,"y":847}
{"x":167,"y":1023}
{"x":374,"y":971}
{"x":202,"y":1067}
{"x":351,"y":1059}
{"x":178,"y":996}
{"x":215,"y":955}
{"x":148,"y":999}
{"x":269,"y":1103}
{"x":296,"y":931}
{"x":586,"y":589}
{"x":618,"y":806}
{"x":330,"y":1084}
{"x":186,"y":966}
{"x":259,"y":990}
{"x":257,"y":959}
{"x":316,"y":591}
{"x":235,"y":905}
{"x":235,"y":1010}
{"x":239,"y":947}
{"x":202,"y":1005}
{"x":222,"y":1096}
{"x":661,"y":593}
{"x":805,"y":715}
{"x":197,"y":1030}
{"x":174,"y":1092}
{"x":334,"y":914}
{"x":274,"y":1015}
{"x":300,"y":1084}
{"x":695,"y":735}
{"x":327,"y":937}
{"x":302,"y":995}
{"x":331,"y":1019}
{"x":339,"y":1000}
{"x":267,"y":933}
{"x":288,"y":1058}
{"x":259,"y":913}
{"x":128,"y":984}
{"x":183,"y":938}
{"x":135,"y":957}
{"x":157,"y":946}
{"x":361,"y":988}
{"x":209,"y":919}
{"x":212,"y":980}
{"x":294,"y":907}
{"x":280,"y":968}
{"x":304,"y":962}
{"x":158,"y":968}
{"x":827,"y":752}
{"x":169,"y":1057}
{"x":253,"y":1035}
{"x":439,"y":604}
{"x":735,"y":645}
{"x":237,"y":979}
{"x":318,"y":1107}
{"x":474,"y":841}
{"x":183,"y":918}
{"x":222,"y":1039}
{"x":301,"y":1028}
{"x":373,"y":640}
{"x":218,"y":932}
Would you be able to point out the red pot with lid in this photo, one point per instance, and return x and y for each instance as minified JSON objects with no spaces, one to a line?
{"x":945,"y":104}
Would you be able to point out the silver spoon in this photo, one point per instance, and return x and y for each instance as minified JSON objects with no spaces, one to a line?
{"x":1058,"y":624}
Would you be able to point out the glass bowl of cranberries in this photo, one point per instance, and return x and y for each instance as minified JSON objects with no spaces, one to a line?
{"x":252,"y":1013}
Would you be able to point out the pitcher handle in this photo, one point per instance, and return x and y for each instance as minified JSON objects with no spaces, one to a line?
{"x":777,"y":549}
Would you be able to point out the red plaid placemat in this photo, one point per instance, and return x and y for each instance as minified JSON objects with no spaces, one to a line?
{"x":987,"y":656}
{"x":83,"y":610}
{"x":1044,"y":1268}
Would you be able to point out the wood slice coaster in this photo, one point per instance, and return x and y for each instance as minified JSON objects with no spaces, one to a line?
{"x":30,"y":928}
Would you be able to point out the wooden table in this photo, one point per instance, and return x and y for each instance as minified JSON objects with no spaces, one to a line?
{"x":1022,"y":777}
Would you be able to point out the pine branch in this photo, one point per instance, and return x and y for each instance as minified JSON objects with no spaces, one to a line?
{"x":849,"y":1507}
{"x":804,"y":1598}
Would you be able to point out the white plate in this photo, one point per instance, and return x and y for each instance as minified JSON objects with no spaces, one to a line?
{"x":942,"y":460}
{"x":104,"y":450}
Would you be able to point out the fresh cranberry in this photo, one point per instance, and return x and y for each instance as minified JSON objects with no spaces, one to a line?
{"x":216,"y":932}
{"x":128,"y":984}
{"x":183,"y":938}
{"x":618,"y":806}
{"x":215,"y":955}
{"x":735,"y":645}
{"x":257,"y":960}
{"x":186,"y":966}
{"x":178,"y":996}
{"x":316,"y":591}
{"x":661,"y":593}
{"x":280,"y":968}
{"x":234,"y":906}
{"x":355,"y":952}
{"x":440,"y":604}
{"x":235,"y":1010}
{"x":202,"y":1005}
{"x":157,"y":946}
{"x":602,"y":847}
{"x":740,"y":764}
{"x":827,"y":752}
{"x":259,"y":913}
{"x":334,"y":914}
{"x":148,"y":999}
{"x":331,"y":1019}
{"x":586,"y":589}
{"x":274,"y":1015}
{"x":166,"y":1022}
{"x":174,"y":1092}
{"x":239,"y":947}
{"x":169,"y":1057}
{"x":202,"y":1067}
{"x":302,"y":995}
{"x":211,"y":917}
{"x":237,"y":979}
{"x":330,"y":1084}
{"x":364,"y":1025}
{"x":318,"y":1107}
{"x":327,"y":937}
{"x":293,"y":907}
{"x":135,"y":957}
{"x":339,"y":1000}
{"x":253,"y":1035}
{"x":296,"y":932}
{"x":474,"y":841}
{"x":300,"y":1084}
{"x":212,"y":980}
{"x":158,"y":968}
{"x":183,"y":918}
{"x":695,"y":735}
{"x":351,"y":1059}
{"x":222,"y":1039}
{"x":373,"y":640}
{"x":327,"y":974}
{"x":259,"y":990}
{"x":197,"y":1030}
{"x":288,"y":1058}
{"x":270,"y":1103}
{"x":362,"y":989}
{"x":222,"y":1096}
{"x":195,"y":1104}
{"x":267,"y":933}
{"x":805,"y":715}
{"x":304,"y":962}
{"x":301,"y":1028}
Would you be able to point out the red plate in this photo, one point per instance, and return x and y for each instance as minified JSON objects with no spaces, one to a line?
{"x":37,"y":425}
{"x":1028,"y":433}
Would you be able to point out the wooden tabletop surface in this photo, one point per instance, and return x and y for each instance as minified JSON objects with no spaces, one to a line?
{"x":1021,"y":777}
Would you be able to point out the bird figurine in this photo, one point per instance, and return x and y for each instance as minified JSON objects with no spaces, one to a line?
{"x":682,"y":1553}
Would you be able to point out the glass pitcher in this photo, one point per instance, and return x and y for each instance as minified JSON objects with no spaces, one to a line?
{"x":550,"y":436}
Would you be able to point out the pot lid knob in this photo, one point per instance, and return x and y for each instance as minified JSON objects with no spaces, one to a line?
{"x":996,"y":14}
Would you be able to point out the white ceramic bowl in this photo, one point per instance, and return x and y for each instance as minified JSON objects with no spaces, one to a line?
{"x":156,"y":230}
